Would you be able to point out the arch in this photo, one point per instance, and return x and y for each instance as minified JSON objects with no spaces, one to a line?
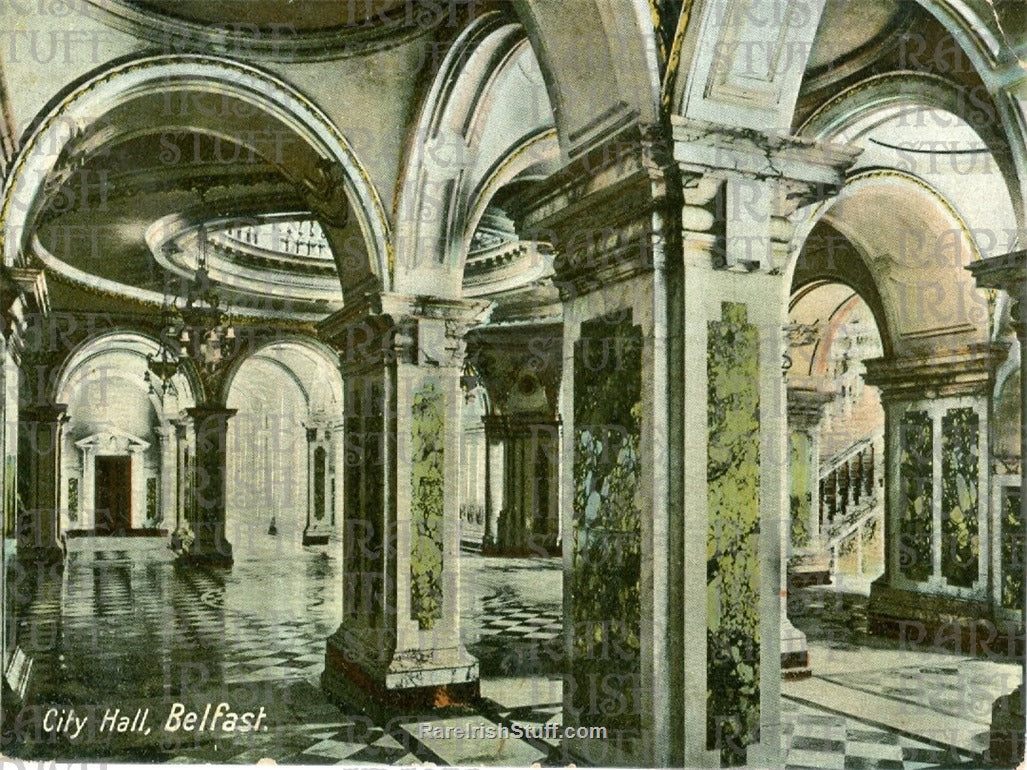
{"x":101,"y":92}
{"x":473,"y":127}
{"x":836,"y":116}
{"x":317,"y":350}
{"x":617,"y":83}
{"x":865,"y":290}
{"x":123,"y":341}
{"x":876,"y":210}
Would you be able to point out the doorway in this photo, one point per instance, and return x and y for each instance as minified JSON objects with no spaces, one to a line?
{"x":113,"y":495}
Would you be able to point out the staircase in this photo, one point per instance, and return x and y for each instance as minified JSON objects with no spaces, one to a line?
{"x":851,"y":511}
{"x":852,"y":502}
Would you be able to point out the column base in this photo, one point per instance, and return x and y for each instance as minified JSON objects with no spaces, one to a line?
{"x":925,"y":621}
{"x":1006,"y":736}
{"x":209,"y":548}
{"x":794,"y":652}
{"x":315,"y":536}
{"x":425,"y":680}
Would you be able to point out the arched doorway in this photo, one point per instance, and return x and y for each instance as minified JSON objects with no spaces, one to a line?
{"x":284,"y":448}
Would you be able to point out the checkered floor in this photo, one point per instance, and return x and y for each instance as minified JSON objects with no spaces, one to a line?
{"x":124,"y":624}
{"x":815,"y":738}
{"x":964,"y":688}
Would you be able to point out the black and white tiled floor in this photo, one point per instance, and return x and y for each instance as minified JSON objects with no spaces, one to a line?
{"x":815,"y":738}
{"x":125,"y":625}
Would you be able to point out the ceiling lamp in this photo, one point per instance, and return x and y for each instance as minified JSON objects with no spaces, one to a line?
{"x":200,"y":330}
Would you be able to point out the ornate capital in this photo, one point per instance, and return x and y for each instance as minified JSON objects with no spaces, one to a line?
{"x":740,"y":188}
{"x":22,"y":292}
{"x":608,"y":213}
{"x":397,"y":328}
{"x":806,"y":404}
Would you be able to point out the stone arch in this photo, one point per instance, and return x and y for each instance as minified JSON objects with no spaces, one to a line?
{"x":135,"y":343}
{"x":876,"y":209}
{"x":99,"y":94}
{"x":835,"y":117}
{"x":469,"y":140}
{"x":312,"y":347}
{"x":617,"y":83}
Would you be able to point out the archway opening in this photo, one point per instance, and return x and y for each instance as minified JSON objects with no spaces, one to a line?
{"x":284,"y":450}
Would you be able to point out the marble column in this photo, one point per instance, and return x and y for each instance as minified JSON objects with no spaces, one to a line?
{"x":737,"y":233}
{"x":40,"y":442}
{"x":318,"y":528}
{"x":183,"y":461}
{"x":806,"y":560}
{"x":89,"y":486}
{"x":168,"y":449}
{"x":674,"y":435}
{"x":494,"y":492}
{"x":137,"y":493}
{"x":23,"y":292}
{"x":207,"y":488}
{"x":1007,"y":741}
{"x":528,"y":521}
{"x":399,"y":643}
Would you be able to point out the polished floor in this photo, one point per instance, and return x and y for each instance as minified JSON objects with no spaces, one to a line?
{"x":125,"y":628}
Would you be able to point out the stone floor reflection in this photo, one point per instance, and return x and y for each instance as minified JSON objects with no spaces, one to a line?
{"x":125,"y":627}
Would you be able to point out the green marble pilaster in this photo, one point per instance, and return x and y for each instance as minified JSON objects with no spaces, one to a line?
{"x":916,"y":494}
{"x":800,"y":496}
{"x":427,"y":505}
{"x":605,"y":573}
{"x":960,"y":496}
{"x":1011,"y":549}
{"x":733,"y":559}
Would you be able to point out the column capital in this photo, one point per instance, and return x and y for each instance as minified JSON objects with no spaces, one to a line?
{"x":44,"y":413}
{"x":22,"y":291}
{"x":806,"y":404}
{"x":608,"y":212}
{"x":740,"y":188}
{"x":402,"y":328}
{"x":962,"y":372}
{"x":1007,"y":272}
{"x":808,"y":170}
{"x":207,"y":411}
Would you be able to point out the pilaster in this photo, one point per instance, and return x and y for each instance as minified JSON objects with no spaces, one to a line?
{"x":740,"y":192}
{"x":318,"y":528}
{"x":807,"y":563}
{"x":209,"y":428}
{"x":40,"y":442}
{"x":1007,"y":740}
{"x":937,"y":477}
{"x":399,"y":643}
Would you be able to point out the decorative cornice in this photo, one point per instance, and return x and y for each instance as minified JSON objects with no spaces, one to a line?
{"x":606,"y":213}
{"x":809,"y":170}
{"x":967,"y":371}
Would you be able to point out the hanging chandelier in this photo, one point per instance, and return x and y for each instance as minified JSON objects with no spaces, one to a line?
{"x":200,"y":330}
